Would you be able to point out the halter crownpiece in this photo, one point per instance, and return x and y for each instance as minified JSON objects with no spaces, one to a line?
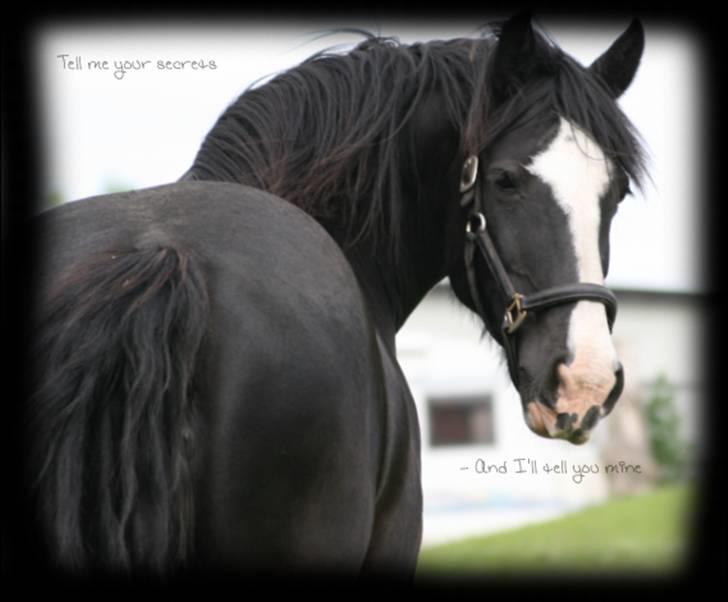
{"x":517,"y":305}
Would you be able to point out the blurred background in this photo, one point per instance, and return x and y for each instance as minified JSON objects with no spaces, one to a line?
{"x":618,"y":502}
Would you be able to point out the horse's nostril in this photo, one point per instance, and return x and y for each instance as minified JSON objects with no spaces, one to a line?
{"x":564,"y":421}
{"x":616,"y":391}
{"x":590,"y":418}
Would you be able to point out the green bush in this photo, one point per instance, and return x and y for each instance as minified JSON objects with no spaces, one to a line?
{"x":663,"y":427}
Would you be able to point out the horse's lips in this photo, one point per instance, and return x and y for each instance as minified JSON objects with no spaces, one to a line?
{"x":542,"y":421}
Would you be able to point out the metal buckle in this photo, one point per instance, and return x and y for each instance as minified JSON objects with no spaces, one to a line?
{"x":469,"y":174}
{"x":515,"y":314}
{"x":479,"y":227}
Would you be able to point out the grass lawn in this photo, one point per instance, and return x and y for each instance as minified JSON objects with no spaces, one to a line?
{"x":641,"y":535}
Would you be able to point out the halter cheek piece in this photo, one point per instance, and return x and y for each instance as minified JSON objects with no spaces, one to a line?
{"x":517,"y":305}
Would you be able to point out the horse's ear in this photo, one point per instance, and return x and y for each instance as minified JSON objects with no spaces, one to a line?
{"x":618,"y":65}
{"x":516,"y":56}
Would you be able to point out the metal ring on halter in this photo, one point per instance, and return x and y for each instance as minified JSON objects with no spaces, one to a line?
{"x":469,"y":174}
{"x":480,"y":227}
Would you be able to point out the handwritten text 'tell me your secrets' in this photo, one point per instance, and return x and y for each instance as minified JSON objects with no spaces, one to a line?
{"x":120,"y":67}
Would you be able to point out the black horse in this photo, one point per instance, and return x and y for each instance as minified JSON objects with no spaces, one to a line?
{"x":215,"y":376}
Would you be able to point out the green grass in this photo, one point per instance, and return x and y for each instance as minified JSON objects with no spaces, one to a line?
{"x":641,"y":535}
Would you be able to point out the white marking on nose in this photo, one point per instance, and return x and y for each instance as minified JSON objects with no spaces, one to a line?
{"x":578,"y":173}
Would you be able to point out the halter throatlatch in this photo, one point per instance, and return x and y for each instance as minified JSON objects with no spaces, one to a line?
{"x":517,"y":305}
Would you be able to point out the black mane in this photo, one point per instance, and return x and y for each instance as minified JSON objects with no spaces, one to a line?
{"x":323,"y":135}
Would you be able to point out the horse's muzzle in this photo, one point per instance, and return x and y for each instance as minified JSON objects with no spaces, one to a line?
{"x":579,"y":406}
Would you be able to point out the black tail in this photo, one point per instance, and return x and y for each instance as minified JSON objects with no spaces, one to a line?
{"x":112,"y":415}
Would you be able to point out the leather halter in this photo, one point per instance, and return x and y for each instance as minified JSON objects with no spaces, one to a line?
{"x":517,"y":304}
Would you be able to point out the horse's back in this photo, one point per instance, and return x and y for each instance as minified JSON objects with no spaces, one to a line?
{"x":252,"y":246}
{"x":217,"y":221}
{"x":296,"y":403}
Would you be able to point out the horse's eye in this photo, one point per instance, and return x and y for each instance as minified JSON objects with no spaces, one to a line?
{"x":505,"y":177}
{"x":505,"y":181}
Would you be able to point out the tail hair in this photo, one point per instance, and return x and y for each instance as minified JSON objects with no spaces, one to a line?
{"x":112,"y":416}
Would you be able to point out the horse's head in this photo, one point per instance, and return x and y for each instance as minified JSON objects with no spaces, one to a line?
{"x":549,"y":179}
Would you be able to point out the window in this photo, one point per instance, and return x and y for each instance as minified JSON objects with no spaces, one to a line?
{"x":461,"y":420}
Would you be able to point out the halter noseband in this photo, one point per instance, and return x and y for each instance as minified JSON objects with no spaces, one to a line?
{"x":517,"y":305}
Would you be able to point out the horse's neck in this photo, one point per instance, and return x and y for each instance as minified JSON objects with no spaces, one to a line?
{"x":393,"y":290}
{"x":380,"y":294}
{"x":431,"y":199}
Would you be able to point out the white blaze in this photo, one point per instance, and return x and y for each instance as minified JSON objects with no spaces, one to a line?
{"x":578,"y":173}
